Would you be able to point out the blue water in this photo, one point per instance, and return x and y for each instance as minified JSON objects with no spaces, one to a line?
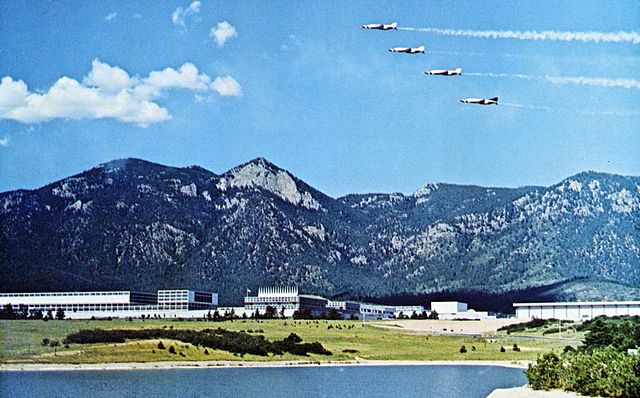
{"x":349,"y":381}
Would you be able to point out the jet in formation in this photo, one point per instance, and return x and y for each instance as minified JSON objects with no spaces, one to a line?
{"x":444,"y":72}
{"x":408,"y":50}
{"x":381,"y":26}
{"x":480,"y":101}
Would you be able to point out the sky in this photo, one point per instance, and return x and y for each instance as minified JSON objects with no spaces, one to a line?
{"x":216,"y":84}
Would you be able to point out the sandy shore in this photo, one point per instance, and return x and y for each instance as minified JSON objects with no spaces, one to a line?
{"x":241,"y":364}
{"x":445,"y":326}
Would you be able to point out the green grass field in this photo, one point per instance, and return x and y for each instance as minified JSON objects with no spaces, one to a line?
{"x":21,"y":342}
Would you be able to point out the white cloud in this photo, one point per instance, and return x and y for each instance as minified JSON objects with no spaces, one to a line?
{"x":186,"y":77}
{"x":111,"y":16}
{"x":223,"y":32}
{"x":180,"y":15}
{"x":107,"y":77}
{"x":4,"y":141}
{"x":226,"y":86}
{"x":137,"y":15}
{"x":107,"y":92}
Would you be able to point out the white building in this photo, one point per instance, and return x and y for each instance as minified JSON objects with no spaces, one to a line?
{"x":375,"y":311}
{"x":456,"y":310}
{"x":408,"y":310}
{"x":115,"y":304}
{"x":284,"y":298}
{"x":346,"y":308}
{"x":576,"y":311}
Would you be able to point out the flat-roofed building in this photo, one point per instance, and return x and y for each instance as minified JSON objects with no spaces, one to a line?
{"x":457,"y":310}
{"x":376,"y":311}
{"x":187,"y":300}
{"x":576,"y":311}
{"x":408,"y":310}
{"x":115,"y":304}
{"x":348,"y":309}
{"x":285,"y":298}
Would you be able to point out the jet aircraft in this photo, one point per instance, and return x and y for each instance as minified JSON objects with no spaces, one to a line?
{"x":444,"y":72}
{"x":408,"y":50}
{"x":481,"y":101}
{"x":381,"y":26}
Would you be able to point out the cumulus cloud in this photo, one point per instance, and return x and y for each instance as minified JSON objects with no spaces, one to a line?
{"x":180,"y":15}
{"x":107,"y":92}
{"x":223,"y":32}
{"x":4,"y":141}
{"x":111,"y":16}
{"x":226,"y":86}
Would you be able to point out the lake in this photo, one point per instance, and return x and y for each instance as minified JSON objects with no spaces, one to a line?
{"x":453,"y":381}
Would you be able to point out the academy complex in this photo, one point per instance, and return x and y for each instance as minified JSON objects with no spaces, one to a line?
{"x":184,"y":303}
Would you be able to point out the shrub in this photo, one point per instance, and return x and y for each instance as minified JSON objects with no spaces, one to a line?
{"x":463,"y":349}
{"x":45,"y":341}
{"x":516,"y":348}
{"x":502,"y":349}
{"x":172,"y":350}
{"x":235,"y":342}
{"x":161,"y":346}
{"x":545,"y":373}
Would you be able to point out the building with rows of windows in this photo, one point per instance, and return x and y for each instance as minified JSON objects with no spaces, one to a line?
{"x":577,"y":311}
{"x":115,"y":304}
{"x":285,"y":298}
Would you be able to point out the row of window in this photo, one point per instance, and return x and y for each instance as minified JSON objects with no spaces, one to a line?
{"x":278,"y":307}
{"x":108,"y":307}
{"x":271,"y":299}
{"x":64,"y":294}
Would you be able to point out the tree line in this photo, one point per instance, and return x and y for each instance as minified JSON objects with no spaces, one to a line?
{"x":218,"y":339}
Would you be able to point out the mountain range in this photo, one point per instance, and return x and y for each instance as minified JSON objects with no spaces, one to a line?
{"x":135,"y":225}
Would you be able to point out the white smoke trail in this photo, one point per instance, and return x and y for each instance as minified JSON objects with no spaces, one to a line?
{"x":552,"y":35}
{"x":577,"y":80}
{"x":609,"y":112}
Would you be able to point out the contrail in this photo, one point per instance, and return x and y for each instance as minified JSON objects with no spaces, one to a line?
{"x":578,"y":80}
{"x":551,"y":35}
{"x":563,"y":110}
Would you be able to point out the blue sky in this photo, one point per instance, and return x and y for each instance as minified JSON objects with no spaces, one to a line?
{"x":302,"y":85}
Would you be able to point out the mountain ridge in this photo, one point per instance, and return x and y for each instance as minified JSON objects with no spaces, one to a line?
{"x":134,"y":224}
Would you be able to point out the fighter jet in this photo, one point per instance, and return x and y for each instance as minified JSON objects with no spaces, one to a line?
{"x":381,"y":26}
{"x":444,"y":72}
{"x":481,"y":101}
{"x":408,"y":50}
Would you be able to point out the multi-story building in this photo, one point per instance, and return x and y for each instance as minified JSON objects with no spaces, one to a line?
{"x":81,"y":305}
{"x":285,"y":298}
{"x":348,"y":309}
{"x":376,"y":311}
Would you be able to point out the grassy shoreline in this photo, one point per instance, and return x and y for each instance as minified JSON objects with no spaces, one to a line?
{"x":350,"y":341}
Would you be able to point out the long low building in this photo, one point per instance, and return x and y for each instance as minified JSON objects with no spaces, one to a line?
{"x":115,"y":304}
{"x":576,"y":311}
